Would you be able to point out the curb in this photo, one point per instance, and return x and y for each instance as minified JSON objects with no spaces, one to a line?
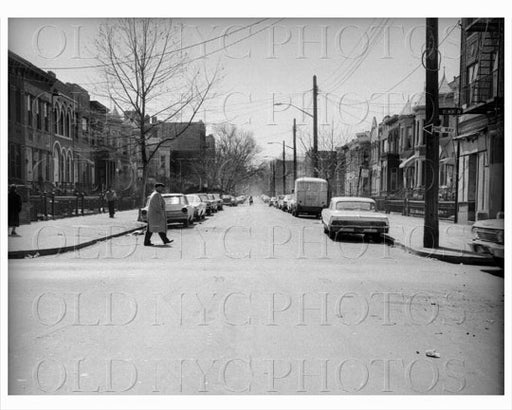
{"x":55,"y":251}
{"x":464,"y":257}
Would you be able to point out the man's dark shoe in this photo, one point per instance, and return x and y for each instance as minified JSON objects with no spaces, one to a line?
{"x":168,"y":241}
{"x":148,"y":244}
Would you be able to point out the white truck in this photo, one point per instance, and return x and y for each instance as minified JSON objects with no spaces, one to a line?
{"x":311,"y":196}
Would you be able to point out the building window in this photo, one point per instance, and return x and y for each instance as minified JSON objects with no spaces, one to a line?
{"x":408,"y":138}
{"x":14,"y":161}
{"x":495,"y":66}
{"x":472,"y":74}
{"x":67,"y":130}
{"x":85,"y":124}
{"x":46,"y":119}
{"x":30,"y":116}
{"x":37,"y":106}
{"x":61,"y":123}
{"x":55,"y":120}
{"x":18,"y":105}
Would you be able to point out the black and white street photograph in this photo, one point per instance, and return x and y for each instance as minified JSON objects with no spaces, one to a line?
{"x":261,"y":206}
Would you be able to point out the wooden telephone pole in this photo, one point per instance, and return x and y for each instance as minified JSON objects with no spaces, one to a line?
{"x":315,"y":128}
{"x":431,"y":223}
{"x":294,"y":150}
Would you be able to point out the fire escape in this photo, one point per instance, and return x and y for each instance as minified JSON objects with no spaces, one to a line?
{"x":482,"y":90}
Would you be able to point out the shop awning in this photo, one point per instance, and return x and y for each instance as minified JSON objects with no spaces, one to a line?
{"x":448,"y":161}
{"x":408,"y":162}
{"x":469,"y":134}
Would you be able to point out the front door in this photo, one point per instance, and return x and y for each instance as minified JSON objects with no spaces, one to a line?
{"x":472,"y":185}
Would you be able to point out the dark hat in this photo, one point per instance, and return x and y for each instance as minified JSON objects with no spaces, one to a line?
{"x":157,"y":184}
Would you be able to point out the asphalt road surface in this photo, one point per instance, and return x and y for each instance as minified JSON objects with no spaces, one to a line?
{"x":253,"y":301}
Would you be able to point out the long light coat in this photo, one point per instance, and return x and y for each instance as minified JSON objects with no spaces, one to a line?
{"x":157,"y":220}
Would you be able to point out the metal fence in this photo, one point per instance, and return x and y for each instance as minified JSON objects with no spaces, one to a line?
{"x":48,"y":206}
{"x":414,"y":207}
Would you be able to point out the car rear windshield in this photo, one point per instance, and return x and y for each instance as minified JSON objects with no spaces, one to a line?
{"x":193,"y":198}
{"x":355,"y":206}
{"x":174,"y":200}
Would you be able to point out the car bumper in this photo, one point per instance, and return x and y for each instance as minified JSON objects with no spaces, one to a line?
{"x":484,"y":247}
{"x":360,"y":229}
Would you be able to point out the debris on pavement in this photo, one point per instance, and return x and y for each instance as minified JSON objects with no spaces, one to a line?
{"x":432,"y":353}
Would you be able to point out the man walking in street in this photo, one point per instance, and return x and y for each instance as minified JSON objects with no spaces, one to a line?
{"x":14,"y":209}
{"x":157,"y":220}
{"x":110,"y":197}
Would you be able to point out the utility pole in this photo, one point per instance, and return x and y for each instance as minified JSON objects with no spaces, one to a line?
{"x":294,"y":149}
{"x":315,"y":128}
{"x":273,"y":164}
{"x":284,"y":170}
{"x":431,"y":223}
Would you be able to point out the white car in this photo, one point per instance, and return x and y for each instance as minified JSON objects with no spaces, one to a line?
{"x":489,"y":238}
{"x":177,"y":209}
{"x":199,"y":206}
{"x":354,"y":215}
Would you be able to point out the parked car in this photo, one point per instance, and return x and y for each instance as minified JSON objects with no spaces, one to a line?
{"x":215,"y":204}
{"x":286,"y":201}
{"x":229,"y":200}
{"x":177,"y":209}
{"x":198,"y":204}
{"x":280,"y":201}
{"x":354,"y":215}
{"x":209,"y":203}
{"x":489,"y":238}
{"x":240,"y":199}
{"x":291,"y":204}
{"x":220,"y":202}
{"x":272,"y":201}
{"x":311,"y":195}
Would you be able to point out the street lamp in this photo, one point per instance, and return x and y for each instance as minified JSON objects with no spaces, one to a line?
{"x":298,"y":108}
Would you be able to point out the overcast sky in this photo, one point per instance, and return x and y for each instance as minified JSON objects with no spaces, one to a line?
{"x":365,"y":67}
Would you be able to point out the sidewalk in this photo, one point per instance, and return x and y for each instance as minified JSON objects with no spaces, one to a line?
{"x":62,"y":235}
{"x":407,"y":232}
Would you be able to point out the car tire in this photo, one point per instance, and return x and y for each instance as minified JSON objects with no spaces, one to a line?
{"x":377,"y":237}
{"x":332,"y":234}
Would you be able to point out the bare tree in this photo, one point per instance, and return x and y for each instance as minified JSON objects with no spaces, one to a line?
{"x":148,"y":75}
{"x":328,"y":161}
{"x":235,"y":158}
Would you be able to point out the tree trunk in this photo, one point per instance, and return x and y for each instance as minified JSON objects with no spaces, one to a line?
{"x":144,"y":160}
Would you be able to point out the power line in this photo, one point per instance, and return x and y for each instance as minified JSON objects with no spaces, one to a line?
{"x":165,"y":53}
{"x":330,"y":76}
{"x":363,"y":57}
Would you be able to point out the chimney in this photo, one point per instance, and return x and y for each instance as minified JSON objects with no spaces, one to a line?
{"x":154,"y":119}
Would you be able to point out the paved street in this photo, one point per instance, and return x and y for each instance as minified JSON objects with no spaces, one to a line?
{"x":253,"y":300}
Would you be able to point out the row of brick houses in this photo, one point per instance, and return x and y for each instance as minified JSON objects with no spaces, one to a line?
{"x":62,"y":142}
{"x":59,"y":139}
{"x":388,"y":161}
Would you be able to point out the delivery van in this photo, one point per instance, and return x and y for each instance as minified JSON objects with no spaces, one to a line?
{"x":310,"y":196}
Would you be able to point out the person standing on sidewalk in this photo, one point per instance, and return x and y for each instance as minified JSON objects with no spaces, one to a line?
{"x":157,"y":220}
{"x":110,"y":197}
{"x":15,"y":205}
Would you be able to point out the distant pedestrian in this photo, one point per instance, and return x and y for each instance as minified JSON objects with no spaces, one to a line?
{"x":14,"y":209}
{"x":157,"y":219}
{"x":110,"y":197}
{"x":250,"y":200}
